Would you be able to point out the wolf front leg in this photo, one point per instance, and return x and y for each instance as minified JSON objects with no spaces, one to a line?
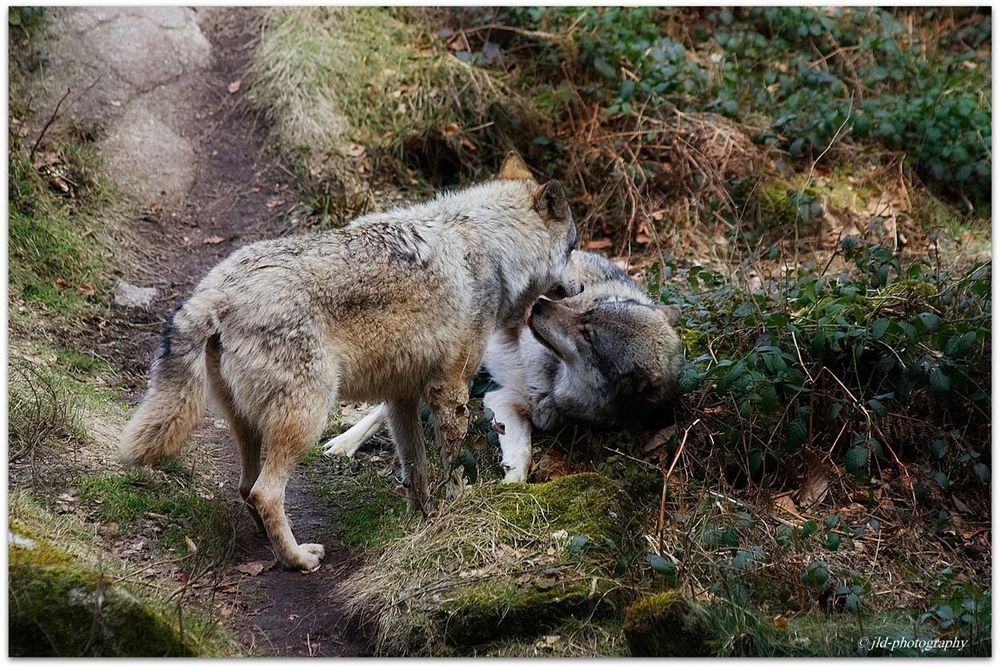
{"x":451,"y":419}
{"x":510,"y":419}
{"x":347,"y":443}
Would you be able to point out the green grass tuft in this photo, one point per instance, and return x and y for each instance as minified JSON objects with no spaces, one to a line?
{"x":58,"y":248}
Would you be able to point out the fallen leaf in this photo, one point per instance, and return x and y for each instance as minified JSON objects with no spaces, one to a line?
{"x":598,"y":244}
{"x":550,"y":466}
{"x":459,"y":43}
{"x":234,"y":87}
{"x":785,"y":502}
{"x":214,"y":239}
{"x":643,"y":238}
{"x":354,"y":150}
{"x":961,"y":506}
{"x":59,"y":183}
{"x":815,"y":483}
{"x":780,"y":622}
{"x":254,"y":568}
{"x":86,"y":289}
{"x":450,"y":130}
{"x":192,"y":548}
{"x":60,"y":283}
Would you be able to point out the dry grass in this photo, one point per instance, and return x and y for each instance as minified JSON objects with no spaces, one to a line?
{"x":344,"y":105}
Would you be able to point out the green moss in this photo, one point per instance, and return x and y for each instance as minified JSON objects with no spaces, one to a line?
{"x":663,"y":625}
{"x":586,"y":504}
{"x":510,"y":608}
{"x":59,"y":607}
{"x":584,"y":637}
{"x":76,"y":361}
{"x":89,"y":570}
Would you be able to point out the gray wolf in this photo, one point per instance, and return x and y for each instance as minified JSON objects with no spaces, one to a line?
{"x":396,"y":307}
{"x":608,"y":357}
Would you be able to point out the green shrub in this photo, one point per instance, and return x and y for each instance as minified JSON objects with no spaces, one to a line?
{"x":820,"y":353}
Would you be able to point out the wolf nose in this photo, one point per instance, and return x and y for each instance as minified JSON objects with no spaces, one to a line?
{"x":540,"y":305}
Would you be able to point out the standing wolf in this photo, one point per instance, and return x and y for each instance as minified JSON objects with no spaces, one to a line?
{"x":397,"y":307}
{"x":607,"y":357}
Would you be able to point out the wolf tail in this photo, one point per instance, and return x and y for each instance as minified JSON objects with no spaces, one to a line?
{"x":175,"y":400}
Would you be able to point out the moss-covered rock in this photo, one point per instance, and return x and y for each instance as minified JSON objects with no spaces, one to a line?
{"x":503,"y":609}
{"x":664,"y":625}
{"x":503,"y":561}
{"x":61,"y":607}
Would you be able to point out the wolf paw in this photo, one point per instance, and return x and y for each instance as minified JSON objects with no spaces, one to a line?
{"x":339,"y":445}
{"x":515,"y":475}
{"x":307,"y":557}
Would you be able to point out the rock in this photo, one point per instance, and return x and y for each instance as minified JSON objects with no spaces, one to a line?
{"x":134,"y":72}
{"x":664,"y":625}
{"x":133,"y":296}
{"x":59,"y":606}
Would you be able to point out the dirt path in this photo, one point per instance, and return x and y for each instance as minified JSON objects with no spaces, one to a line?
{"x":220,"y":191}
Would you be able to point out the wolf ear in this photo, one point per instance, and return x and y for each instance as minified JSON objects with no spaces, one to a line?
{"x":514,"y":169}
{"x":550,"y":201}
{"x":672,"y":313}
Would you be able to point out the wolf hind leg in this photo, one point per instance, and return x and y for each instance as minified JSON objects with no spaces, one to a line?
{"x":408,"y":437}
{"x":286,"y":443}
{"x":246,"y":434}
{"x":347,"y":443}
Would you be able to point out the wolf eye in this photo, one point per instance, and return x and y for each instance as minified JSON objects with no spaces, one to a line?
{"x":585,"y":331}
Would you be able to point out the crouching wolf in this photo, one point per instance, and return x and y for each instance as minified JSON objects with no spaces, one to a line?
{"x":608,"y":357}
{"x":397,"y":307}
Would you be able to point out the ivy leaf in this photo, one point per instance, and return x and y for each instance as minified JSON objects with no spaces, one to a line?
{"x":832,"y":541}
{"x":939,"y":380}
{"x":664,"y":567}
{"x":930,"y":321}
{"x":689,"y":379}
{"x":577,"y":544}
{"x":816,"y":575}
{"x":879,"y":329}
{"x":856,"y":460}
{"x":796,"y":434}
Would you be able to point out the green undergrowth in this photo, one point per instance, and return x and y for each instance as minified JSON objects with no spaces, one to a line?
{"x":367,"y":510}
{"x":851,"y":352}
{"x":166,"y":503}
{"x":896,"y":79}
{"x":69,"y":597}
